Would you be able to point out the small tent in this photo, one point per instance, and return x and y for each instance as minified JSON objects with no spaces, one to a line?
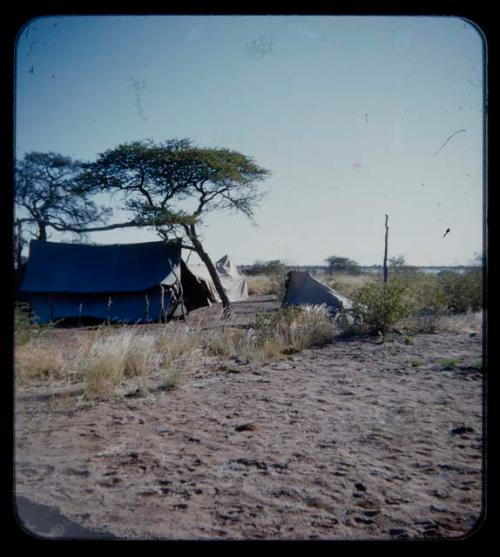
{"x":196,"y":290}
{"x":126,"y":283}
{"x":303,"y":288}
{"x":233,"y":282}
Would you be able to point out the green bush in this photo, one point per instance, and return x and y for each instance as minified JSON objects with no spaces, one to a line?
{"x":414,"y":300}
{"x":462,"y":292}
{"x":426,"y":301}
{"x":25,"y":329}
{"x":22,"y":323}
{"x":397,"y":266}
{"x":379,"y":306}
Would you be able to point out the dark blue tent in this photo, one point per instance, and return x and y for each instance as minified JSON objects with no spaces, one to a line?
{"x":121,"y":282}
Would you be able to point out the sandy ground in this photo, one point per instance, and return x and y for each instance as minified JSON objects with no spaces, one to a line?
{"x":355,"y":440}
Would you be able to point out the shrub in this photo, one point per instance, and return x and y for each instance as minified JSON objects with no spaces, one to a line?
{"x":397,"y":266}
{"x":25,"y":328}
{"x":463,"y":292}
{"x":449,"y":363}
{"x":22,"y":323}
{"x":379,"y":306}
{"x":426,"y":302}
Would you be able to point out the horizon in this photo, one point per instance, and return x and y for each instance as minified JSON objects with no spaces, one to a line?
{"x":355,"y":116}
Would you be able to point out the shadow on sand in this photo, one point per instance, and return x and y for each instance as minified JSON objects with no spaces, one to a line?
{"x":42,"y":521}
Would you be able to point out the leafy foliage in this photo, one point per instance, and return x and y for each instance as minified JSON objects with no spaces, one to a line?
{"x":462,"y":292}
{"x":426,"y":301}
{"x":48,"y":194}
{"x":414,"y":300}
{"x":173,"y":183}
{"x":379,"y":306}
{"x":25,"y":328}
{"x":397,"y":266}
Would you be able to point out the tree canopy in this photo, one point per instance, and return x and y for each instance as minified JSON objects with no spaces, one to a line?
{"x":49,"y":196}
{"x":171,"y":185}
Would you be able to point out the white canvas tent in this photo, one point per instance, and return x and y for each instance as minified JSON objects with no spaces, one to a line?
{"x":302,"y":288}
{"x":233,"y":282}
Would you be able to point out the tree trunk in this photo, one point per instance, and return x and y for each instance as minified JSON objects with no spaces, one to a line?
{"x":18,"y":247}
{"x":226,"y":304}
{"x":385,"y":251}
{"x":42,"y":231}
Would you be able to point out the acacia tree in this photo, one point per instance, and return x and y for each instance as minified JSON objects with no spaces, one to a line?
{"x":48,"y":195}
{"x":171,"y":185}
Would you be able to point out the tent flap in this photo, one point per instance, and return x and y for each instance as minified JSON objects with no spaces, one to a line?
{"x":233,"y":282}
{"x":302,"y":288}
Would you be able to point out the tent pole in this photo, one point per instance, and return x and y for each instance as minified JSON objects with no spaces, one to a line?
{"x":181,"y":292}
{"x":147,"y":307}
{"x":110,"y":301}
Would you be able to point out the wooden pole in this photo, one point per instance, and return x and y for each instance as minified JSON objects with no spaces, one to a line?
{"x":385,"y":251}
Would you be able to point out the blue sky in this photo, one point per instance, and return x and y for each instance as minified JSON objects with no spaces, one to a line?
{"x":348,"y":113}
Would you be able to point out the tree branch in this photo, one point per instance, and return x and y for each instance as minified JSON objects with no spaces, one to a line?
{"x":69,"y":228}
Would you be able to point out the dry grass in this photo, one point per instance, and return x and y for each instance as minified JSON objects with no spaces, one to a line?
{"x":245,"y":345}
{"x":106,"y":358}
{"x":347,"y":284}
{"x":297,"y":328}
{"x":109,"y":357}
{"x":37,"y":359}
{"x":264,"y":285}
{"x":273,"y":334}
{"x":470,"y":322}
{"x":112,"y":358}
